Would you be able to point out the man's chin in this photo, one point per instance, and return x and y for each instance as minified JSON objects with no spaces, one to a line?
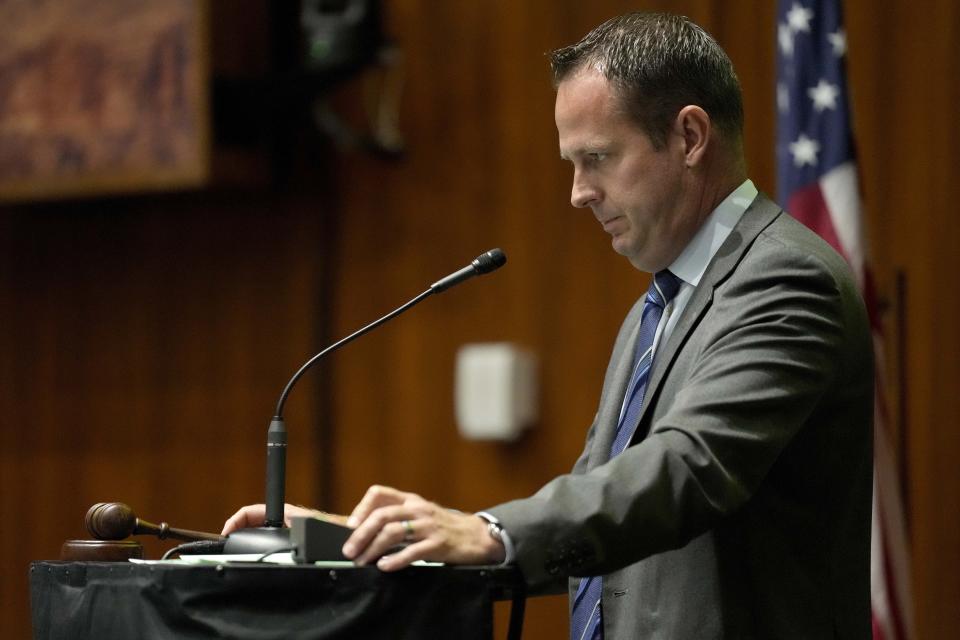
{"x":636,"y":258}
{"x":624,"y":247}
{"x":621,"y":245}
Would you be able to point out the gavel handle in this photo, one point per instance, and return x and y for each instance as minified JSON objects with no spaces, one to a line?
{"x":164,"y":531}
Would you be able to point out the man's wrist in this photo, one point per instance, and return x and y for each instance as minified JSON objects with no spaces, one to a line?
{"x":499,"y":541}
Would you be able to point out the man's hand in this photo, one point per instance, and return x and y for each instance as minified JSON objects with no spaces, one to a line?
{"x":387,"y":518}
{"x":253,"y":515}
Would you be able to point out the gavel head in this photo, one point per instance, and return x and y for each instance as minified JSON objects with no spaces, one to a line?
{"x":110,"y":521}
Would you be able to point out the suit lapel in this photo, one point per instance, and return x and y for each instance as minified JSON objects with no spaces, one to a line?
{"x":758,"y":215}
{"x":615,"y":387}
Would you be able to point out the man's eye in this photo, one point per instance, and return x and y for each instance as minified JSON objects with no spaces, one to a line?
{"x":597,"y":156}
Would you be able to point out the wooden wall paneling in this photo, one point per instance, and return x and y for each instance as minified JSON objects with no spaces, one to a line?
{"x":925,"y":242}
{"x":901,"y":65}
{"x":145,"y":343}
{"x":937,"y":444}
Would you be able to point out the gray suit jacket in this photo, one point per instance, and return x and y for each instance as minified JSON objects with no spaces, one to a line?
{"x":742,"y":507}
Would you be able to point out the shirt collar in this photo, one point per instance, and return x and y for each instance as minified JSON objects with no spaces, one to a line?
{"x":692,"y":262}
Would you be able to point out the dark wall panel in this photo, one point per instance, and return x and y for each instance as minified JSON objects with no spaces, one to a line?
{"x":144,"y":345}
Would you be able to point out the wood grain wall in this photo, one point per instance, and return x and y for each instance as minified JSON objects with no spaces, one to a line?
{"x":144,"y":340}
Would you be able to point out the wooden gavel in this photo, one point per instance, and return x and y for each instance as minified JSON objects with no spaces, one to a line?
{"x":111,"y":523}
{"x":117,"y":521}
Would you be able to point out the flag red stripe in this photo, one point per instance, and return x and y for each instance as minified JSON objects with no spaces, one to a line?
{"x":808,"y":206}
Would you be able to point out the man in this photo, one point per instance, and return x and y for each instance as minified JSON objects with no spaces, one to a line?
{"x":725,"y":487}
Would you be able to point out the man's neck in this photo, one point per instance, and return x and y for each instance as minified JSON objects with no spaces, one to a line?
{"x":724,"y":171}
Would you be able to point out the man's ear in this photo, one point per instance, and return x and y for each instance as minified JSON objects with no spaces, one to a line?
{"x":694,"y":127}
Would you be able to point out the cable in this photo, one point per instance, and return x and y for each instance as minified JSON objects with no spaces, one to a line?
{"x":277,"y":550}
{"x":200,"y":546}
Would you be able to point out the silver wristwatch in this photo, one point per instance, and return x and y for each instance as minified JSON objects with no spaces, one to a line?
{"x":494,"y":528}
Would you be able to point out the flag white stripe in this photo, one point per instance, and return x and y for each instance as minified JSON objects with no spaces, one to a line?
{"x":890,"y":544}
{"x":840,"y":189}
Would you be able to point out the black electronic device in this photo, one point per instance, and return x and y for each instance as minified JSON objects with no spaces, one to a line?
{"x":316,"y":539}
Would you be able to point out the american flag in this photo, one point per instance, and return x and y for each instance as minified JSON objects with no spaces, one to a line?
{"x":818,"y":183}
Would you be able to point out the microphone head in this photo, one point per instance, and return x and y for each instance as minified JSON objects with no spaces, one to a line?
{"x":489,"y":261}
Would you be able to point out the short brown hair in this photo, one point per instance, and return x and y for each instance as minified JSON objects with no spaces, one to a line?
{"x":659,"y":64}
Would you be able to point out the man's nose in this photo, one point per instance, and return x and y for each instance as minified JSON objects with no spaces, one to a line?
{"x":583,"y":192}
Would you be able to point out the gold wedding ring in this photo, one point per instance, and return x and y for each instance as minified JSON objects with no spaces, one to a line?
{"x":407,"y":531}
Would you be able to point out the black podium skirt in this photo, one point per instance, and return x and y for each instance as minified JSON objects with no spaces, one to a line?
{"x":106,"y":600}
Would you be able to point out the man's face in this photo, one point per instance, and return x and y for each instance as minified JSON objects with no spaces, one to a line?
{"x":637,"y":193}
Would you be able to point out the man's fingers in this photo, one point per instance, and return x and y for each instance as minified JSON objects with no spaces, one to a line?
{"x":377,"y":533}
{"x":249,"y":516}
{"x":386,"y":518}
{"x":390,"y":536}
{"x":295,"y":511}
{"x":398,"y":535}
{"x":254,"y":515}
{"x":405,"y":557}
{"x":375,"y":497}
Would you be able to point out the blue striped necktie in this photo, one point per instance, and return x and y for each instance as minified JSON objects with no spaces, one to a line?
{"x":586,"y":619}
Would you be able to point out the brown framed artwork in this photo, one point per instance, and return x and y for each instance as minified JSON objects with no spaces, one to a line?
{"x":102,"y":97}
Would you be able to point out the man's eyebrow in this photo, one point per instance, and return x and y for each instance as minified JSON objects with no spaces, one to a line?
{"x":599,"y":147}
{"x":579,"y":151}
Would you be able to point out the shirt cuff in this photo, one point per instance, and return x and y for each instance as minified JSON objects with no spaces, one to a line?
{"x":504,"y":537}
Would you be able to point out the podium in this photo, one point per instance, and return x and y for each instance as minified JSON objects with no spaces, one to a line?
{"x":117,"y":600}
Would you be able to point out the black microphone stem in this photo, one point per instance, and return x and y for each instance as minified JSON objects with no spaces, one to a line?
{"x":350,"y":338}
{"x":277,"y":433}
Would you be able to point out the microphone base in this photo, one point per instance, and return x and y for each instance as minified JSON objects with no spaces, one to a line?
{"x":258,"y":540}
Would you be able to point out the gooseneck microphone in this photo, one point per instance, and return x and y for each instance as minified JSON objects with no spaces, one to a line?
{"x":272,"y":535}
{"x":485,"y":263}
